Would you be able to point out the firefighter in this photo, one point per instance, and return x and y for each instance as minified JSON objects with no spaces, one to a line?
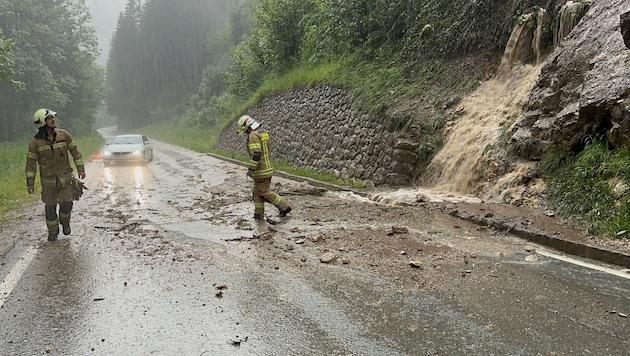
{"x":260,"y":168}
{"x":50,"y":149}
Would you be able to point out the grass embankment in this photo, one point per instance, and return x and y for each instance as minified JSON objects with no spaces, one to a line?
{"x":13,"y":193}
{"x":591,"y":186}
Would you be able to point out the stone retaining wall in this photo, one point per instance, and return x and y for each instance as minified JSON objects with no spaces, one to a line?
{"x":319,"y":128}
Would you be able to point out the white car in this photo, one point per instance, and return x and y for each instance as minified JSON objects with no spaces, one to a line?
{"x":128,"y":149}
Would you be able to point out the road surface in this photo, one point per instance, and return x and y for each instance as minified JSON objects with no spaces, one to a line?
{"x":165,"y":259}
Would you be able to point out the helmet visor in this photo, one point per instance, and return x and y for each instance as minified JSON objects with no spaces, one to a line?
{"x":50,"y":113}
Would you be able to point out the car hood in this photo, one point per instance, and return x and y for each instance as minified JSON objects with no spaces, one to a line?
{"x":124,"y":148}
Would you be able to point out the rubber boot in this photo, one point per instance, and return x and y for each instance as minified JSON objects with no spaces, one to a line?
{"x":65,"y":211}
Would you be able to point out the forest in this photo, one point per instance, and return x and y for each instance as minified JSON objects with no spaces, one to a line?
{"x":186,"y":62}
{"x":201,"y":59}
{"x":47,"y":59}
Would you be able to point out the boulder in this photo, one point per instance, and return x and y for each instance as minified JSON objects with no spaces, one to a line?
{"x":624,"y":24}
{"x":583,"y":88}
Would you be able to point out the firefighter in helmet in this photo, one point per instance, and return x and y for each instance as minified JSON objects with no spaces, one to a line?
{"x":51,"y":149}
{"x":260,"y":167}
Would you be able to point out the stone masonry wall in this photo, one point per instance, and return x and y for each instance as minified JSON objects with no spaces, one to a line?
{"x":319,"y":128}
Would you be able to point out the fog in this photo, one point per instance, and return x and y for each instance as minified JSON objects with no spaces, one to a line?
{"x":104,"y":17}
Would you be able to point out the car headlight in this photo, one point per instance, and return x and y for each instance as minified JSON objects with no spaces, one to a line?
{"x":106,"y":153}
{"x":137,"y":152}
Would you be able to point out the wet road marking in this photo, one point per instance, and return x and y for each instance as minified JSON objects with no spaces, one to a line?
{"x":7,"y":285}
{"x":623,"y":273}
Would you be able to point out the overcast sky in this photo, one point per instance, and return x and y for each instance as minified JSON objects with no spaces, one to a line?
{"x":104,"y":17}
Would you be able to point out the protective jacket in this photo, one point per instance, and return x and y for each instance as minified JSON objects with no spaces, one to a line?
{"x":259,"y":148}
{"x":52,"y":156}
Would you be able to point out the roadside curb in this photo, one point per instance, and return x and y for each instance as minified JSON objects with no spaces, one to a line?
{"x":548,"y":231}
{"x":557,"y":234}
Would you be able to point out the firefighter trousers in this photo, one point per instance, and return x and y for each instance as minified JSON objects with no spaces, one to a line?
{"x":51,"y":196}
{"x":263,"y":193}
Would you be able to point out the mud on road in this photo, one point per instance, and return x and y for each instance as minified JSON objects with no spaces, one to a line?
{"x":432,"y":281}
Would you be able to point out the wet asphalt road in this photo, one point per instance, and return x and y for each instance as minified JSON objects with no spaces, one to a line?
{"x":164,"y":259}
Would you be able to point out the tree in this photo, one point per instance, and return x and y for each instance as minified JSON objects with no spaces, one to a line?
{"x":158,"y":57}
{"x":6,"y":61}
{"x":279,"y":34}
{"x":54,"y":56}
{"x":122,"y":64}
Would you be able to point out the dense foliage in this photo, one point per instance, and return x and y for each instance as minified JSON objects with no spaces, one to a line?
{"x":53,"y":57}
{"x":592,"y":186}
{"x":170,"y":60}
{"x":6,"y":60}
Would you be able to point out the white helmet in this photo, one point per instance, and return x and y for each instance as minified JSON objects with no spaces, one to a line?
{"x":40,"y":116}
{"x":245,"y":122}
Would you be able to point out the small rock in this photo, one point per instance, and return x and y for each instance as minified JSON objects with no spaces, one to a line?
{"x":237,"y":341}
{"x":529,"y":248}
{"x":415,"y":264}
{"x":397,"y":230}
{"x":531,"y":258}
{"x":328,"y":257}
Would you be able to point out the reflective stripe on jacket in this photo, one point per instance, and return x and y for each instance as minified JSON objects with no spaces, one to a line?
{"x":258,"y":141}
{"x":53,"y":159}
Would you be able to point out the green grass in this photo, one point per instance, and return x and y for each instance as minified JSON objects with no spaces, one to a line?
{"x":13,"y":193}
{"x":320,"y":176}
{"x":592,"y":187}
{"x":298,"y":77}
{"x":302,"y":172}
{"x":302,"y":76}
{"x":194,"y":138}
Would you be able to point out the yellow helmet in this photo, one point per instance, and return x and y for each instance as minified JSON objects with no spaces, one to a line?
{"x":245,"y":122}
{"x":40,"y":116}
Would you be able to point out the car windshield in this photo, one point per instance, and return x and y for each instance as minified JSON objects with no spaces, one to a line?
{"x":127,"y":140}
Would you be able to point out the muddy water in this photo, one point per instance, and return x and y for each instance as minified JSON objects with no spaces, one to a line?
{"x":485,"y":116}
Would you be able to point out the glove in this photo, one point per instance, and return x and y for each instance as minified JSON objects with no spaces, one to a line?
{"x":77,"y":188}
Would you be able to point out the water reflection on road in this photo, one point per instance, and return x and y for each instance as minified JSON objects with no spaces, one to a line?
{"x":134,"y":180}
